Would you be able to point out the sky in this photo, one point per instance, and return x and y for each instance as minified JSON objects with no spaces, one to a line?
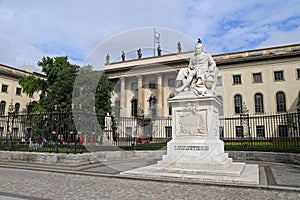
{"x":32,"y":29}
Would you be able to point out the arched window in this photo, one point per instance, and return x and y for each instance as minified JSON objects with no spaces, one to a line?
{"x":238,"y":100}
{"x":17,"y":108}
{"x":280,"y":102}
{"x":134,"y":107}
{"x":259,"y":103}
{"x":2,"y":107}
{"x":152,"y":105}
{"x":221,"y":106}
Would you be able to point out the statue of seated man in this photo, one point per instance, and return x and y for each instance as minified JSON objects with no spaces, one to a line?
{"x":201,"y":68}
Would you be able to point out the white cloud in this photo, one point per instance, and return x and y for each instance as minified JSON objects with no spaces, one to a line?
{"x":74,"y":28}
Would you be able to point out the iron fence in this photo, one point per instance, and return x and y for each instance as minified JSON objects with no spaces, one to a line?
{"x":77,"y":131}
{"x":261,"y":132}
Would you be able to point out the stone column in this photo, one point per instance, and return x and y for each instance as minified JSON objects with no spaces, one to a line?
{"x":140,"y":91}
{"x":160,"y":102}
{"x":122,"y":97}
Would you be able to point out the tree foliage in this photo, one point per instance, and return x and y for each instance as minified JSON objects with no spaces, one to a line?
{"x":56,"y":88}
{"x":67,"y":83}
{"x":103,"y":95}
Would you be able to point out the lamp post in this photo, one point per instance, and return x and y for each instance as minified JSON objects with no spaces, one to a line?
{"x":56,"y":126}
{"x":10,"y":124}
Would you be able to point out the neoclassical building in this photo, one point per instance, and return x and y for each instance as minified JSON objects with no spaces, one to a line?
{"x":266,"y":80}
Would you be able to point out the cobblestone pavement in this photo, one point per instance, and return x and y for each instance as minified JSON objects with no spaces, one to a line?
{"x":30,"y":184}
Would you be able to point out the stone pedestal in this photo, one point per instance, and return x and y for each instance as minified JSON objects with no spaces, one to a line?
{"x":195,"y":151}
{"x":196,"y":146}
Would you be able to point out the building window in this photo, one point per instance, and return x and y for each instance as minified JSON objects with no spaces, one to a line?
{"x":18,"y":91}
{"x":128,"y":131}
{"x":168,"y":130}
{"x":15,"y":132}
{"x":152,"y":85}
{"x":117,"y":107}
{"x":219,"y":81}
{"x":221,"y":106}
{"x":170,"y":109}
{"x":134,"y":107}
{"x":260,"y":131}
{"x":17,"y":108}
{"x":259,"y":103}
{"x":280,"y":102}
{"x":134,"y":86}
{"x":257,"y":78}
{"x":278,"y":76}
{"x":283,"y":130}
{"x":238,"y":103}
{"x":221,"y":132}
{"x":152,"y":105}
{"x":239,"y":131}
{"x":2,"y":107}
{"x":171,"y":83}
{"x":298,"y":73}
{"x":237,"y":79}
{"x":1,"y":131}
{"x":4,"y":88}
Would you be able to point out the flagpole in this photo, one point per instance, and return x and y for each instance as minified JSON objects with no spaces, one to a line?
{"x":153,"y":41}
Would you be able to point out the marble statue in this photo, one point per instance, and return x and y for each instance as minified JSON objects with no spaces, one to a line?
{"x":107,"y":59}
{"x":139,"y":52}
{"x":179,"y":47}
{"x":200,"y":75}
{"x":123,"y":56}
{"x":158,"y":51}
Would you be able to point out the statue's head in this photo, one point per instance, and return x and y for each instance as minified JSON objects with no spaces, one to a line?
{"x":199,"y":46}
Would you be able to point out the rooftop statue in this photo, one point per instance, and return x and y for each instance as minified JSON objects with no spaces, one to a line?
{"x":200,"y":75}
{"x":139,"y":52}
{"x":107,"y":59}
{"x":123,"y":56}
{"x":179,"y":47}
{"x":158,"y":50}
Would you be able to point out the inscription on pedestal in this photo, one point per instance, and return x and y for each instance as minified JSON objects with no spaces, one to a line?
{"x":191,"y":148}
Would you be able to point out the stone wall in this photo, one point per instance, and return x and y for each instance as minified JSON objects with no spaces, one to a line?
{"x":291,"y":158}
{"x":86,"y":158}
{"x":76,"y":159}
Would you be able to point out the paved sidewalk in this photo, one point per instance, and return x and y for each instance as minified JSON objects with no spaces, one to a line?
{"x":17,"y":184}
{"x":272,"y":175}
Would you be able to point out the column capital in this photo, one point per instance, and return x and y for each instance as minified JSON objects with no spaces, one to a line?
{"x":159,"y":75}
{"x":139,"y":77}
{"x":122,"y":78}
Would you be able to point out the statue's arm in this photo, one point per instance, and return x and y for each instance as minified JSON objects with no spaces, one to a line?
{"x":211,"y":63}
{"x":191,"y":64}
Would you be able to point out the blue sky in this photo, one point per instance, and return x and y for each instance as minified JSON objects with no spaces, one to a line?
{"x":32,"y":29}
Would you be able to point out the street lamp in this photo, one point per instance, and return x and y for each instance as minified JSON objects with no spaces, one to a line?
{"x":10,"y":124}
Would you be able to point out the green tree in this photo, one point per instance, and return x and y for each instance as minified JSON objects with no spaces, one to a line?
{"x":57,"y":88}
{"x":103,"y":95}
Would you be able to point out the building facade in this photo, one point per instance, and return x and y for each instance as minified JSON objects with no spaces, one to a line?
{"x":11,"y":91}
{"x":265,"y":80}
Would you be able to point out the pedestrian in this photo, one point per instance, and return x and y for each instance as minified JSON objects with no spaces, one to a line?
{"x":148,"y":139}
{"x":79,"y":140}
{"x":139,"y":140}
{"x":40,"y":141}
